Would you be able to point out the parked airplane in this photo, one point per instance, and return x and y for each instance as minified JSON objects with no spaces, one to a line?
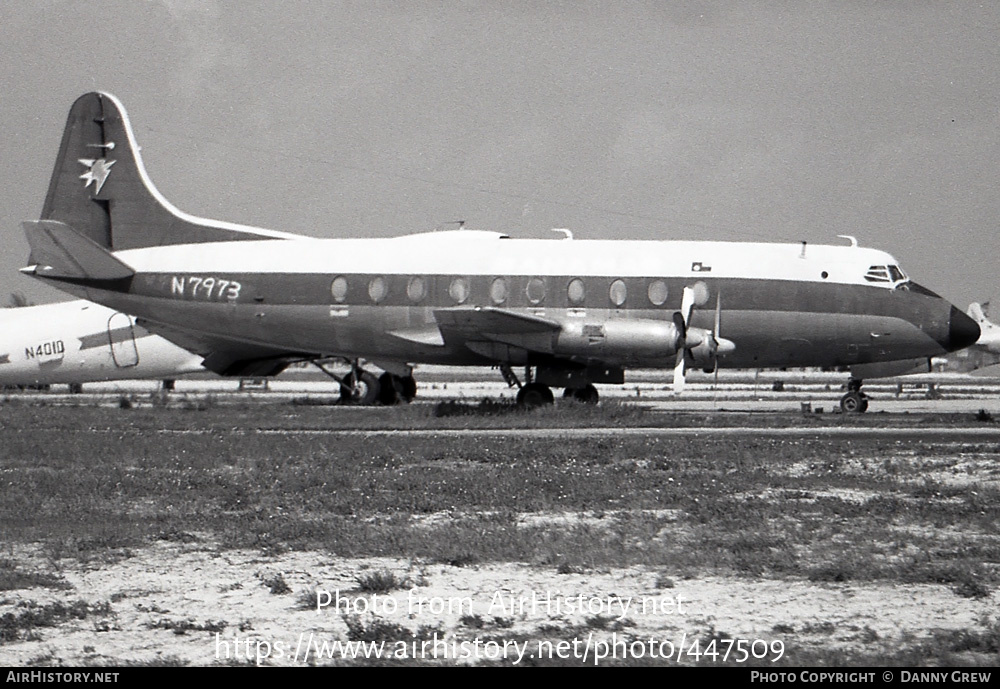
{"x":989,"y":339}
{"x":570,"y":312}
{"x":79,"y":342}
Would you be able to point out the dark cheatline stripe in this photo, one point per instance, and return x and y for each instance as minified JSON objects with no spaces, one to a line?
{"x":102,"y":339}
{"x":737,"y":294}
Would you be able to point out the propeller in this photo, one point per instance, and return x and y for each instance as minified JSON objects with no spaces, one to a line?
{"x":709,"y":341}
{"x":715,"y":340}
{"x":681,"y":320}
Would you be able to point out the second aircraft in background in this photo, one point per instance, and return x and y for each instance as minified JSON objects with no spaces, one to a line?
{"x":80,"y":342}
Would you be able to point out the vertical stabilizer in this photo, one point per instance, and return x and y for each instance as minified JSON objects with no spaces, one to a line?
{"x":989,"y":337}
{"x":100,"y":188}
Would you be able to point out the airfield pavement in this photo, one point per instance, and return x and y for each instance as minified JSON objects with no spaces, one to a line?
{"x":751,"y":521}
{"x":952,"y":393}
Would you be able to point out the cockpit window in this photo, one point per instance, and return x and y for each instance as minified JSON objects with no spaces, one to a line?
{"x":889,"y":274}
{"x":877,"y":274}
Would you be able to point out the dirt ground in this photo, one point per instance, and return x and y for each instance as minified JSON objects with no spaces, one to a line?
{"x":199,"y":605}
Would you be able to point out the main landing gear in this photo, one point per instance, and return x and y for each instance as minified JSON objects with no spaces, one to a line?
{"x":362,"y":388}
{"x":534,"y":394}
{"x":855,"y":401}
{"x":586,"y":394}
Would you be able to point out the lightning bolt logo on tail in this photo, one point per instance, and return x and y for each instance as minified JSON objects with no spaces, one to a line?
{"x":97,"y":172}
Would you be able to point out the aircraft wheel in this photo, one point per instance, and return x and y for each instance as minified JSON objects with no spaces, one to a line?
{"x":388,"y":389}
{"x":854,"y":402}
{"x":534,"y":395}
{"x":587,"y":394}
{"x":408,"y":388}
{"x":365,"y":393}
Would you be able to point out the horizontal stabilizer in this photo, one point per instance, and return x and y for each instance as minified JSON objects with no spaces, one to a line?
{"x":59,"y":251}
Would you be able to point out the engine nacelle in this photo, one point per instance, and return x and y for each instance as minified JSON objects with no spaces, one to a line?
{"x":631,"y":339}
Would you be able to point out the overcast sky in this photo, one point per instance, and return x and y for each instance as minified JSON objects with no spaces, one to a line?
{"x":781,"y":121}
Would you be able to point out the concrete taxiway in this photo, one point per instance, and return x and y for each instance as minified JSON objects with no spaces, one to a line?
{"x":784,"y":392}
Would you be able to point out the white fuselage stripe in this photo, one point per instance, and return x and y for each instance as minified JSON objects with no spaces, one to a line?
{"x":488,"y":255}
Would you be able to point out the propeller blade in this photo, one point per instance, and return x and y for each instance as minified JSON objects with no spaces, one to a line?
{"x":718,"y":314}
{"x":681,"y":327}
{"x":714,"y":344}
{"x":679,"y":371}
{"x":687,"y":304}
{"x":682,"y":319}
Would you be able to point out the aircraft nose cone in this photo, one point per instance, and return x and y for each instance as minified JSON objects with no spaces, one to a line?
{"x":962,"y":330}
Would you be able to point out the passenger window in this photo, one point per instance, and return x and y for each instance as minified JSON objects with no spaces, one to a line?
{"x":416,"y":289}
{"x":618,"y":292}
{"x":338,"y":289}
{"x":459,"y":290}
{"x":657,"y":292}
{"x":378,"y":289}
{"x":535,"y":290}
{"x":576,"y":292}
{"x":498,"y":291}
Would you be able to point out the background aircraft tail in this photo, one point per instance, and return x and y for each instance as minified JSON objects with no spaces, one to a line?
{"x":978,"y":314}
{"x":100,"y":188}
{"x":989,"y":337}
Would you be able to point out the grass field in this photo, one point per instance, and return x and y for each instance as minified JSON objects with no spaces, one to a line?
{"x":90,"y":487}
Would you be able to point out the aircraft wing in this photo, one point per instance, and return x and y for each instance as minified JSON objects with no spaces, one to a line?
{"x":484,"y":329}
{"x":225,"y":357}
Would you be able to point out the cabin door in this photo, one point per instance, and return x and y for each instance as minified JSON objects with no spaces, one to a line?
{"x":122,"y":339}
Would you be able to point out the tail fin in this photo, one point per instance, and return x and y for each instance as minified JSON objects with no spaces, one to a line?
{"x":977,"y":313}
{"x":100,"y":188}
{"x":989,"y":332}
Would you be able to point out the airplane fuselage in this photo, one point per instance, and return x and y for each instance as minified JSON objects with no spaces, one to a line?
{"x":82,"y":342}
{"x":782,"y":304}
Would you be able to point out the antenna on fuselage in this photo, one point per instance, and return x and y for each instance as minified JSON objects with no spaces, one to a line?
{"x":568,"y":233}
{"x":460,"y":223}
{"x":852,"y":239}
